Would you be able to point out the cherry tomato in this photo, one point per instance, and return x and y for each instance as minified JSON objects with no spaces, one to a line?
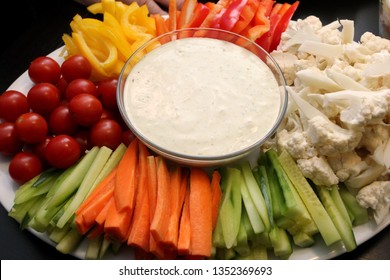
{"x":31,"y":127}
{"x":24,"y":166}
{"x":107,"y":93}
{"x":86,"y":109}
{"x":13,"y":104}
{"x":79,"y":86}
{"x":75,"y":67}
{"x":10,"y":144}
{"x":108,"y":114}
{"x":82,"y":137}
{"x":61,"y":121}
{"x":127,"y":137}
{"x":62,"y":85}
{"x":62,"y":151}
{"x":43,"y":98}
{"x":106,"y":132}
{"x":44,"y":69}
{"x":39,"y":149}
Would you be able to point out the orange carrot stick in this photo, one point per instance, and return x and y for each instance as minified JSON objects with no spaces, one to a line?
{"x":184,"y":242}
{"x":175,"y":211}
{"x":140,"y":228}
{"x":172,"y":15}
{"x":200,"y":213}
{"x":160,"y":220}
{"x":101,"y":218}
{"x":216,"y":194}
{"x":100,"y":188}
{"x":117,"y":223}
{"x":124,"y":191}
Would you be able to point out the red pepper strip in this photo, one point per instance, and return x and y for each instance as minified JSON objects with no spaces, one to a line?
{"x":187,"y":11}
{"x":214,"y":10}
{"x":282,"y":24}
{"x":263,"y":12}
{"x":266,"y":39}
{"x":246,"y":16}
{"x":232,"y":14}
{"x":201,"y":11}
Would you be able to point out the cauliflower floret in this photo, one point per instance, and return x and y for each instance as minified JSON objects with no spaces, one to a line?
{"x":286,"y":63}
{"x":373,"y":136}
{"x":374,"y":43}
{"x":347,"y":165}
{"x":330,"y":139}
{"x":318,"y":170}
{"x":377,"y":197}
{"x":296,"y":143}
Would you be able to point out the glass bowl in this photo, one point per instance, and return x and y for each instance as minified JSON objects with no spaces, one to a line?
{"x":185,"y":96}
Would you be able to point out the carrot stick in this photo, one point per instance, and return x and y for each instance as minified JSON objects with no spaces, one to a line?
{"x":96,"y":231}
{"x":101,"y":218}
{"x":97,"y":191}
{"x":200,"y":213}
{"x":175,"y":211}
{"x":117,"y":223}
{"x":216,"y":194}
{"x":140,"y":228}
{"x":160,"y":220}
{"x":184,"y":242}
{"x":172,"y":15}
{"x":161,"y":26}
{"x":124,"y":191}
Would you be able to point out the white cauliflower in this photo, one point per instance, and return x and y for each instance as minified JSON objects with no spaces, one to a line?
{"x":374,"y":43}
{"x":347,"y":165}
{"x":318,"y":170}
{"x":296,"y":143}
{"x":329,"y":138}
{"x":374,"y":136}
{"x":376,"y":196}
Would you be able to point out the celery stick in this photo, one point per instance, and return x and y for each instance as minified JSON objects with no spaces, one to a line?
{"x":20,"y":212}
{"x":70,"y":241}
{"x":360,"y":214}
{"x":255,"y":193}
{"x":70,"y":183}
{"x":218,"y":240}
{"x":343,"y":227}
{"x":247,"y":224}
{"x":242,"y":247}
{"x":251,"y":210}
{"x":57,"y":234}
{"x":317,"y":211}
{"x":93,"y":248}
{"x":104,"y":248}
{"x":100,"y":160}
{"x":111,"y":163}
{"x":230,"y":211}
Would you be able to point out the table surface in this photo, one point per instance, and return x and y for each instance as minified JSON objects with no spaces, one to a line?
{"x":35,"y":28}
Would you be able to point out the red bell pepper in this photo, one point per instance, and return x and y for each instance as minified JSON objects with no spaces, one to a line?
{"x":200,"y":13}
{"x":187,"y":12}
{"x":246,"y":16}
{"x":232,"y":14}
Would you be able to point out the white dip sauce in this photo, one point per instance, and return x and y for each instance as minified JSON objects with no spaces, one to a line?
{"x":202,"y":97}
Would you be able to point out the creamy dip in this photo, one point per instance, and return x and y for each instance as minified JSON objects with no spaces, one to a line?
{"x":202,"y":97}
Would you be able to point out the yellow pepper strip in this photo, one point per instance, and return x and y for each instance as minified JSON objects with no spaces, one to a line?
{"x":70,"y":46}
{"x":142,"y":18}
{"x":109,"y":6}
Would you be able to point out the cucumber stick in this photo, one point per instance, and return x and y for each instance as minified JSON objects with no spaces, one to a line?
{"x":343,"y":226}
{"x":360,"y":214}
{"x":316,"y":209}
{"x":69,"y":184}
{"x":100,"y":160}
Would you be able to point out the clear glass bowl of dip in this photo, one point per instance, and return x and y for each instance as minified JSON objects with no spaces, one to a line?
{"x":202,"y":97}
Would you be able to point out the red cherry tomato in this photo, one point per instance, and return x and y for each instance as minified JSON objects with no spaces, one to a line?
{"x":106,"y":132}
{"x":39,"y":149}
{"x":82,"y":137}
{"x":86,"y":109}
{"x":13,"y":104}
{"x":24,"y":166}
{"x":127,"y":137}
{"x":76,"y":67}
{"x":10,"y":144}
{"x":107,"y":93}
{"x":43,"y":98}
{"x":62,"y":151}
{"x":44,"y":69}
{"x":61,"y":121}
{"x":31,"y":127}
{"x":62,"y":85}
{"x":79,"y":86}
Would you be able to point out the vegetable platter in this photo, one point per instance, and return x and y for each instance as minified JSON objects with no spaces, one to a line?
{"x":319,"y":250}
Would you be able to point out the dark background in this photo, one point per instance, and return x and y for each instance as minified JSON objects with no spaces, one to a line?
{"x":33,"y":28}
